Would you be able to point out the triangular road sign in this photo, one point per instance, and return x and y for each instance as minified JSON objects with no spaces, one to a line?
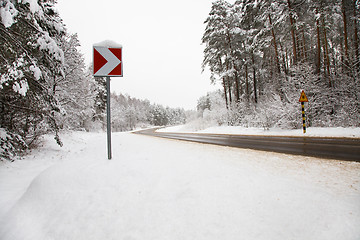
{"x":303,"y":97}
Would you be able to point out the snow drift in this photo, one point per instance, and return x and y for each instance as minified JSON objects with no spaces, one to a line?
{"x":166,"y":189}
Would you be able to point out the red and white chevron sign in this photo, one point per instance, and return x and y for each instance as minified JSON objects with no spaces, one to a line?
{"x":107,"y":61}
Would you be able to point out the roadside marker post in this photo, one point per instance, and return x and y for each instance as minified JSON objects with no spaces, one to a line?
{"x":107,"y":62}
{"x":303,"y":99}
{"x":108,"y":117}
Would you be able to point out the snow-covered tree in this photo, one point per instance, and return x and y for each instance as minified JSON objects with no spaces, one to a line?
{"x":30,"y":60}
{"x":128,"y":113}
{"x":268,"y":51}
{"x":221,"y":48}
{"x":100,"y":98}
{"x":75,"y":89}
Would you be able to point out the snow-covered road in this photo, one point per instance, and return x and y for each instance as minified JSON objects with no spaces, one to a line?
{"x":167,"y":189}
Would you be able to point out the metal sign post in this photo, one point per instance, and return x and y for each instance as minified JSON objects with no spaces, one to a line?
{"x":303,"y":99}
{"x":303,"y":116}
{"x":107,"y":57}
{"x":108,"y":117}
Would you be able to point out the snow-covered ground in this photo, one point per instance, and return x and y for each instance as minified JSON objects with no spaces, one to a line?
{"x":167,"y":189}
{"x":310,"y":132}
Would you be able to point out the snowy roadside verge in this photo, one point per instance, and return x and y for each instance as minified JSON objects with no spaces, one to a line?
{"x":310,"y":132}
{"x":15,"y":177}
{"x":166,"y":189}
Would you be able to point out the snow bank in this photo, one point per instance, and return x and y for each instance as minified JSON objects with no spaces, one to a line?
{"x":310,"y":132}
{"x":166,"y":189}
{"x":108,"y":43}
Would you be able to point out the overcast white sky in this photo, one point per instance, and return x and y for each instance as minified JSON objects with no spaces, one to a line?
{"x":161,"y":39}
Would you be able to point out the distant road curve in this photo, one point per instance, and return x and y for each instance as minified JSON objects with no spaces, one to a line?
{"x":334,"y":148}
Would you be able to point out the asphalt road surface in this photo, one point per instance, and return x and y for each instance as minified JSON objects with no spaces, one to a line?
{"x":334,"y":148}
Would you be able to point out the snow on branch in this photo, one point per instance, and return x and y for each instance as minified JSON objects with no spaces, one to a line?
{"x":7,"y":13}
{"x":45,"y":42}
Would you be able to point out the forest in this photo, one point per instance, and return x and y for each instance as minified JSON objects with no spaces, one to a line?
{"x":264,"y":53}
{"x":46,"y":87}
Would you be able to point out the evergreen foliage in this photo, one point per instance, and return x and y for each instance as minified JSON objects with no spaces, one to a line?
{"x":129,"y":113}
{"x":30,"y":61}
{"x":265,"y":52}
{"x":45,"y":86}
{"x":76,"y":89}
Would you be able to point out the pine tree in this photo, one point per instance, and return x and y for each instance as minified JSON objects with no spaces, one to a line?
{"x":100,"y":99}
{"x":272,"y":45}
{"x":75,"y":89}
{"x":30,"y":61}
{"x":221,"y":46}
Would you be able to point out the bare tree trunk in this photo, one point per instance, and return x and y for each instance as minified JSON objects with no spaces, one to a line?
{"x":297,"y":37}
{"x":292,"y":32}
{"x":346,"y":45}
{"x":284,"y":60}
{"x":237,"y":85}
{"x":326,"y":53}
{"x":254,"y":78}
{"x":247,"y":82}
{"x":275,"y":46}
{"x":224,"y":84}
{"x":304,"y":43}
{"x":229,"y":84}
{"x":225,"y":92}
{"x":356,"y":39}
{"x":318,"y":47}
